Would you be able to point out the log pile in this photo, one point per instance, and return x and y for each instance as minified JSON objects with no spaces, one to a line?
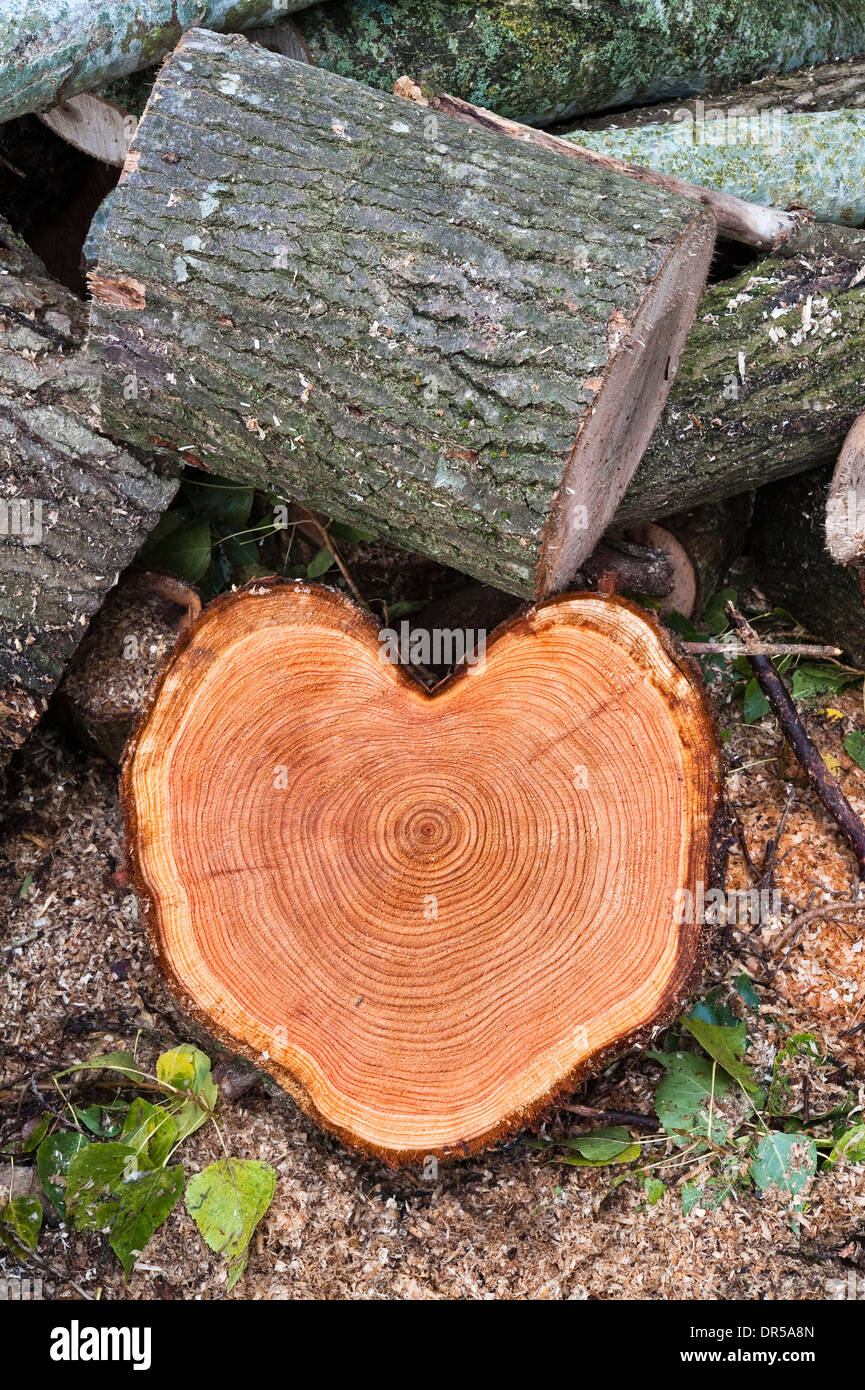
{"x":350,"y":277}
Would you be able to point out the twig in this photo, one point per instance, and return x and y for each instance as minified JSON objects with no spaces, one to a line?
{"x":617,"y":1117}
{"x":805,"y":750}
{"x":813,"y":914}
{"x":761,"y":649}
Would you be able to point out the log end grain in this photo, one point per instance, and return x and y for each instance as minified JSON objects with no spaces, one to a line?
{"x":424,"y":914}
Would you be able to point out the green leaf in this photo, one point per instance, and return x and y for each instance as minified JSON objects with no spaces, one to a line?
{"x":602,"y":1146}
{"x":52,"y":1162}
{"x":344,"y":532}
{"x":103,"y":1120}
{"x":714,"y":615}
{"x":106,"y":1190}
{"x":756,"y":704}
{"x":817,"y":677}
{"x":710,"y":1196}
{"x":223,"y":502}
{"x":682,"y":1099}
{"x":151,"y":1131}
{"x":683,"y":627}
{"x":653,"y":1188}
{"x":226,"y":1201}
{"x":850,"y":1147}
{"x":724,"y":1044}
{"x":786,"y":1162}
{"x":319,"y":564}
{"x":35,"y":1138}
{"x":186,"y":1069}
{"x":184,"y":551}
{"x":746,"y":991}
{"x":123,"y":1062}
{"x":854,"y":744}
{"x":20,"y":1223}
{"x":403,"y":608}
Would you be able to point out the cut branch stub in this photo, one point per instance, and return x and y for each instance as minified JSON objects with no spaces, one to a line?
{"x":424,"y":914}
{"x":379,"y":316}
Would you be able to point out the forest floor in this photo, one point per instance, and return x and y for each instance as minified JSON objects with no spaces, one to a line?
{"x":78,"y":978}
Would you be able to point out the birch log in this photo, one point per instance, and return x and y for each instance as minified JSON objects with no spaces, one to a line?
{"x":547,"y":60}
{"x":52,"y":49}
{"x":74,"y":507}
{"x":382,"y":319}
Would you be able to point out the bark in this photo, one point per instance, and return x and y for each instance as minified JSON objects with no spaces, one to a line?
{"x":829,"y":87}
{"x":698,"y":547}
{"x":55,"y":48}
{"x":811,"y":161}
{"x":73,"y":507}
{"x":796,"y":571}
{"x":546,"y":60}
{"x":769,"y":383}
{"x":409,"y":340}
{"x":418,"y":976}
{"x":743,"y":221}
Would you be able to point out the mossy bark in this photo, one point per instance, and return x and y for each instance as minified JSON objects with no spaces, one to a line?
{"x":74,"y":507}
{"x":348,"y":301}
{"x":54,"y":48}
{"x":796,"y":571}
{"x":546,"y":60}
{"x":810,"y":161}
{"x":770,"y":380}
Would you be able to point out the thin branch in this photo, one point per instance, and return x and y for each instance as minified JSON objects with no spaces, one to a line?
{"x":616,"y":1117}
{"x":806,"y":752}
{"x":761,"y":649}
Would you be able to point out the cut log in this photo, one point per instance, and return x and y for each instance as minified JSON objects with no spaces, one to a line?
{"x":424,"y":915}
{"x":808,"y":161}
{"x":829,"y":87}
{"x":412,"y":342}
{"x":770,"y":381}
{"x":54,"y":49}
{"x":796,"y":571}
{"x":845,"y":504}
{"x":698,"y":548}
{"x":541,"y":61}
{"x":74,"y":507}
{"x":110,"y":675}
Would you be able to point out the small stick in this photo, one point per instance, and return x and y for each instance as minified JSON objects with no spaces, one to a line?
{"x":761,"y":649}
{"x":806,"y":752}
{"x":620,"y":1117}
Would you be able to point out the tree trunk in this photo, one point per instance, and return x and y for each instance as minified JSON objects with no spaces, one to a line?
{"x":698,"y":546}
{"x":437,"y":955}
{"x":796,"y":571}
{"x":74,"y":507}
{"x":815,"y":162}
{"x":110,"y":675}
{"x":770,"y":380}
{"x":546,"y":60}
{"x":411,"y":341}
{"x":830,"y":87}
{"x":55,"y":48}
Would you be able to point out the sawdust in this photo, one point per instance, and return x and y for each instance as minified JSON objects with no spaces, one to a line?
{"x":79,"y":978}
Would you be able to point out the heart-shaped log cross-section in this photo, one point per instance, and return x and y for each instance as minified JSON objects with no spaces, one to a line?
{"x":424,"y":914}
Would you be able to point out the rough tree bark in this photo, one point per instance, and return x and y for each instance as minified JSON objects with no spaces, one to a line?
{"x":438,"y":956}
{"x":769,"y":383}
{"x":55,"y":48}
{"x":545,"y":60}
{"x":407,"y":338}
{"x":811,"y":161}
{"x":796,"y":571}
{"x":74,"y":507}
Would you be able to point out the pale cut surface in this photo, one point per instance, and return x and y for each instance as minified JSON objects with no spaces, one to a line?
{"x":423,"y":914}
